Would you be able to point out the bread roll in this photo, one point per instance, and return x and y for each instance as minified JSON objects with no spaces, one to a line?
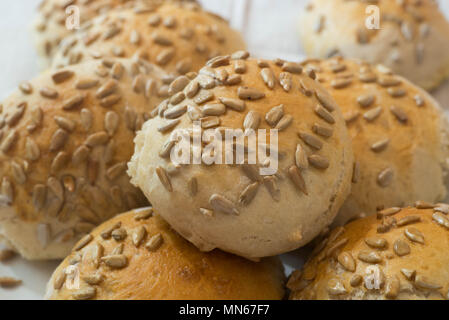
{"x":137,"y":256}
{"x":240,"y":207}
{"x":412,"y":39}
{"x":180,"y":37}
{"x":399,"y":133}
{"x":400,"y":254}
{"x":65,"y":139}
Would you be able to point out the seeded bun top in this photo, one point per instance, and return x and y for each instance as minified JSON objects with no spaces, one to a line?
{"x":405,"y":249}
{"x":413,"y":39}
{"x":178,"y":36}
{"x":233,"y":207}
{"x":137,"y":256}
{"x":399,"y":133}
{"x":65,"y":139}
{"x":56,"y":16}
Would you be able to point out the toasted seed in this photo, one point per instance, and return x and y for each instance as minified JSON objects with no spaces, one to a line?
{"x":106,"y":234}
{"x":385,"y":177}
{"x":97,"y":139}
{"x":240,"y":55}
{"x":59,"y":280}
{"x":86,"y":83}
{"x":221,"y":204}
{"x":210,"y":122}
{"x":297,"y":179}
{"x":396,"y":92}
{"x":234,"y":104}
{"x":377,"y":243}
{"x":61,"y":76}
{"x":318,"y":161}
{"x":356,"y":280}
{"x":324,"y":114}
{"x":139,"y":235}
{"x":111,"y":121}
{"x":16,"y":115}
{"x":170,"y":124}
{"x":408,"y":274}
{"x":424,"y":283}
{"x":65,"y":123}
{"x":26,"y":87}
{"x":18,"y":173}
{"x":441,"y":220}
{"x":408,"y":220}
{"x":347,"y":261}
{"x":239,"y":66}
{"x":336,"y":287}
{"x":218,"y":61}
{"x":9,"y":282}
{"x":164,"y":178}
{"x":365,"y":100}
{"x":292,"y":67}
{"x":108,"y":88}
{"x":392,"y":287}
{"x":285,"y":121}
{"x":213,"y":109}
{"x":154,"y":242}
{"x":369,"y":257}
{"x":311,"y":140}
{"x":58,"y":139}
{"x":205,"y":81}
{"x":49,"y":93}
{"x":401,"y":248}
{"x":206,"y":212}
{"x":399,"y":113}
{"x":322,"y":130}
{"x":246,"y":93}
{"x":116,"y":170}
{"x":143,"y":215}
{"x":83,"y":242}
{"x":116,"y":261}
{"x":372,"y":114}
{"x":233,"y":79}
{"x":388,"y":212}
{"x":178,"y":84}
{"x":93,"y":279}
{"x":367,"y":77}
{"x":441,"y":207}
{"x":389,"y":81}
{"x":252,"y":120}
{"x":9,"y":140}
{"x":340,"y":83}
{"x":285,"y":80}
{"x":32,"y":151}
{"x":275,"y":114}
{"x":424,"y":205}
{"x":272,"y":187}
{"x":301,"y":157}
{"x":86,"y":119}
{"x":268,"y":77}
{"x":248,"y":194}
{"x":380,"y":145}
{"x":175,"y":112}
{"x":414,"y":235}
{"x":203,"y":96}
{"x":325,"y":100}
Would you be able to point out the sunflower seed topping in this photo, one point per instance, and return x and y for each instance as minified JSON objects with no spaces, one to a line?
{"x":285,"y":80}
{"x":424,"y":283}
{"x":408,"y":220}
{"x":170,"y":124}
{"x":275,"y":114}
{"x":324,"y":114}
{"x":385,"y":177}
{"x":61,"y":76}
{"x":248,"y":194}
{"x":369,"y":257}
{"x":48,"y":93}
{"x":9,"y":282}
{"x":297,"y":179}
{"x":347,"y":261}
{"x":408,"y":274}
{"x":252,"y":120}
{"x":441,"y":220}
{"x":311,"y":140}
{"x":221,"y":204}
{"x":268,"y":77}
{"x":138,"y":235}
{"x":392,"y":287}
{"x":318,"y":161}
{"x":414,"y":235}
{"x":83,"y":242}
{"x":376,"y":243}
{"x":356,"y":280}
{"x":246,"y":93}
{"x":285,"y":122}
{"x":272,"y":187}
{"x":401,"y":248}
{"x":380,"y":145}
{"x":388,"y":212}
{"x":116,"y":261}
{"x":154,"y":242}
{"x":203,"y":96}
{"x":292,"y":67}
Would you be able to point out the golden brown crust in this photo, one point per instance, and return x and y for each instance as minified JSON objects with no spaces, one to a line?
{"x":398,"y":254}
{"x":65,"y":139}
{"x":180,"y":37}
{"x":160,"y":265}
{"x":236,"y":209}
{"x":399,"y":134}
{"x":412,"y":39}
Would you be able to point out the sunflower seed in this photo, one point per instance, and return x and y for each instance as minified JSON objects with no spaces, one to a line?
{"x":356,"y":280}
{"x":106,"y":234}
{"x":26,"y":88}
{"x":58,"y":140}
{"x":164,"y":178}
{"x":297,"y":179}
{"x":424,"y":283}
{"x":192,"y":89}
{"x":246,"y":93}
{"x":401,"y":248}
{"x":83,"y":242}
{"x":275,"y":114}
{"x":9,"y":140}
{"x":215,"y":109}
{"x":39,"y":196}
{"x":369,"y":257}
{"x":423,"y":205}
{"x":325,"y":100}
{"x":408,"y":220}
{"x":292,"y":67}
{"x":396,"y":92}
{"x":365,"y":100}
{"x":240,"y":55}
{"x":32,"y":152}
{"x":116,"y":170}
{"x":392,"y":287}
{"x":97,"y":139}
{"x":377,"y":243}
{"x":388,"y":212}
{"x":347,"y":261}
{"x":441,"y":220}
{"x":108,"y":88}
{"x":69,"y":183}
{"x":139,"y":235}
{"x":388,"y":81}
{"x":285,"y":80}
{"x":205,"y":81}
{"x":168,"y":125}
{"x":154,"y":242}
{"x":301,"y":158}
{"x":311,"y":140}
{"x":441,"y":207}
{"x":318,"y":161}
{"x":372,"y":114}
{"x":385,"y":177}
{"x":285,"y":121}
{"x":210,"y":122}
{"x":419,"y":100}
{"x":165,"y":56}
{"x":414,"y":235}
{"x":80,"y":155}
{"x":59,"y":280}
{"x":61,"y":76}
{"x":251,"y":171}
{"x":252,"y":120}
{"x":15,"y":116}
{"x":86,"y":117}
{"x":268,"y":77}
{"x":219,"y":61}
{"x":272,"y":187}
{"x":221,"y":204}
{"x":380,"y":145}
{"x":143,"y":215}
{"x":18,"y":173}
{"x":239,"y":66}
{"x":340,"y":83}
{"x":234,"y":104}
{"x":9,"y":282}
{"x":48,"y":93}
{"x":203,"y":96}
{"x":93,"y":279}
{"x":248,"y":194}
{"x":116,"y":261}
{"x":324,"y":114}
{"x":86,"y":83}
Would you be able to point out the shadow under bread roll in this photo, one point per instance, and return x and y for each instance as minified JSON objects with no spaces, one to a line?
{"x":400,"y":135}
{"x":398,"y":254}
{"x":65,"y":139}
{"x":137,"y":256}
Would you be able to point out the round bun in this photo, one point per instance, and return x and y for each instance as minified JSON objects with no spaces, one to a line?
{"x":137,"y":256}
{"x":400,"y":254}
{"x":413,"y":39}
{"x":399,"y":134}
{"x":242,"y":208}
{"x":178,"y":36}
{"x":65,"y":139}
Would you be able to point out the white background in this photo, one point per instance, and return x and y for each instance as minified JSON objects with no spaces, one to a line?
{"x":269,"y":27}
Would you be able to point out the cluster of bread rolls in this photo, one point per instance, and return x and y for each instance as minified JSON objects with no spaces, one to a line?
{"x":93,"y":136}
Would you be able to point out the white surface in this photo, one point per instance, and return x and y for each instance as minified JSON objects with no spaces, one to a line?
{"x":269,"y":27}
